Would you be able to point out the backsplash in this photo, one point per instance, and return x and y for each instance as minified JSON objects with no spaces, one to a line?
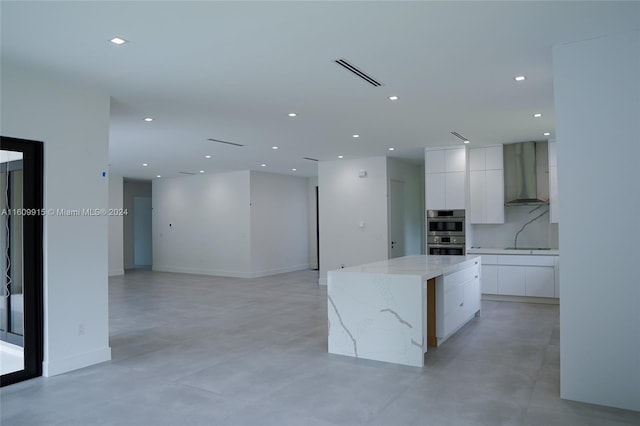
{"x":539,"y":233}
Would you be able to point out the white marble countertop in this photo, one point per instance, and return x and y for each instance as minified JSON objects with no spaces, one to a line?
{"x":422,"y":265}
{"x":522,"y":251}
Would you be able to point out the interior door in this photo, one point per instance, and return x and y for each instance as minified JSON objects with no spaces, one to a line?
{"x":396,"y":219}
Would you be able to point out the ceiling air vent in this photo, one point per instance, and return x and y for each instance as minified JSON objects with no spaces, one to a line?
{"x":186,"y":173}
{"x":459,"y":136}
{"x":346,"y":65}
{"x":225,"y":142}
{"x":309,"y":158}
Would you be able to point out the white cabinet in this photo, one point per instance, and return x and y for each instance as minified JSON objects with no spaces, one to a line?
{"x":520,"y":275}
{"x":457,"y":299}
{"x":553,"y":183}
{"x":539,"y":281}
{"x":445,"y":178}
{"x":527,"y":276}
{"x":489,"y":274}
{"x":511,"y":280}
{"x":486,"y":185}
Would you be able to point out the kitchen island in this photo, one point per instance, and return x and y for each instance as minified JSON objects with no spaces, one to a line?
{"x":393,"y":310}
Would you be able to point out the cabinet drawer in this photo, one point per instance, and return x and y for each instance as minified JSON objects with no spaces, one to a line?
{"x":526,"y":260}
{"x":489,"y":259}
{"x":460,"y":277}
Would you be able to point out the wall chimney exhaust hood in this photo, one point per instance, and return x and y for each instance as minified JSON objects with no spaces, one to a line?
{"x":526,"y":173}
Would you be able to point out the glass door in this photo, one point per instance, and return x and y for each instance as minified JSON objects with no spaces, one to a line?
{"x":11,"y":265}
{"x":21,"y":270}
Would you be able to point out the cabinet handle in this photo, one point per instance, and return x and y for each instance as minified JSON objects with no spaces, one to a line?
{"x":462,"y":304}
{"x":476,"y":262}
{"x":476,"y":276}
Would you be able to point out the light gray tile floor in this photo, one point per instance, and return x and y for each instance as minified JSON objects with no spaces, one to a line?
{"x":195,"y":350}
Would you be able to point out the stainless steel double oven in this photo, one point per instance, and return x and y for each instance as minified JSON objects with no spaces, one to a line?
{"x":445,"y":232}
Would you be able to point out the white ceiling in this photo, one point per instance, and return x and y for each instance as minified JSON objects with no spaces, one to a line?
{"x":234,"y":70}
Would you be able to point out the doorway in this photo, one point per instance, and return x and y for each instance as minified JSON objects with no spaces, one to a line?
{"x":142,"y":239}
{"x":21,"y":270}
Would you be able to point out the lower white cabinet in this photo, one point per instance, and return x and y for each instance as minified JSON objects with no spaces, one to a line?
{"x":511,"y":280}
{"x":457,"y":300}
{"x":520,"y":275}
{"x":489,"y":279}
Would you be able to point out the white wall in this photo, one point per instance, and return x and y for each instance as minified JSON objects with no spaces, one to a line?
{"x":312,"y":183}
{"x":413,"y":177}
{"x":279,"y":224}
{"x":201,"y":224}
{"x":597,"y":104}
{"x":132,"y":188}
{"x":116,"y":254}
{"x":346,"y":200}
{"x":73,"y":123}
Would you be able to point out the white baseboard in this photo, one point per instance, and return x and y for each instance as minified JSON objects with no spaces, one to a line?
{"x":116,"y":272}
{"x":522,"y":299}
{"x":232,"y":274}
{"x":55,"y":367}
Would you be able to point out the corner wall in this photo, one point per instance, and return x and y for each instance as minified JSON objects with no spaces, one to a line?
{"x":201,"y":224}
{"x":73,"y":123}
{"x":279,"y":224}
{"x":597,"y":104}
{"x":346,"y":202}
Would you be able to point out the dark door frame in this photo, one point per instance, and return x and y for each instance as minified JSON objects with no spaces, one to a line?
{"x":33,"y":161}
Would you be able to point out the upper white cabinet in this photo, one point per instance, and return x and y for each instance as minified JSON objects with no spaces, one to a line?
{"x":553,"y":182}
{"x":486,"y":185}
{"x":445,"y":178}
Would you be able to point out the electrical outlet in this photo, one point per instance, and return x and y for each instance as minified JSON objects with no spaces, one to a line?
{"x":81,"y":330}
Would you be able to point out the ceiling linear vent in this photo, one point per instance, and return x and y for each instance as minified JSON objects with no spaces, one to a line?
{"x":225,"y":142}
{"x":310,"y":159}
{"x":459,"y":136}
{"x":186,"y":173}
{"x":346,"y":65}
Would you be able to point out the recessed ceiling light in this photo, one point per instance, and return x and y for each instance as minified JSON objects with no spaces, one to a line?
{"x":293,"y":170}
{"x":263,"y":165}
{"x":356,"y":136}
{"x":274,"y":147}
{"x":520,"y":78}
{"x":118,"y":40}
{"x":393,"y":98}
{"x":201,"y":171}
{"x":207,"y":156}
{"x":144,"y":164}
{"x":465,"y":141}
{"x":340,"y":156}
{"x":158,"y":176}
{"x":292,"y":114}
{"x":148,"y":119}
{"x":392,"y":149}
{"x":537,"y":115}
{"x":546,"y":134}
